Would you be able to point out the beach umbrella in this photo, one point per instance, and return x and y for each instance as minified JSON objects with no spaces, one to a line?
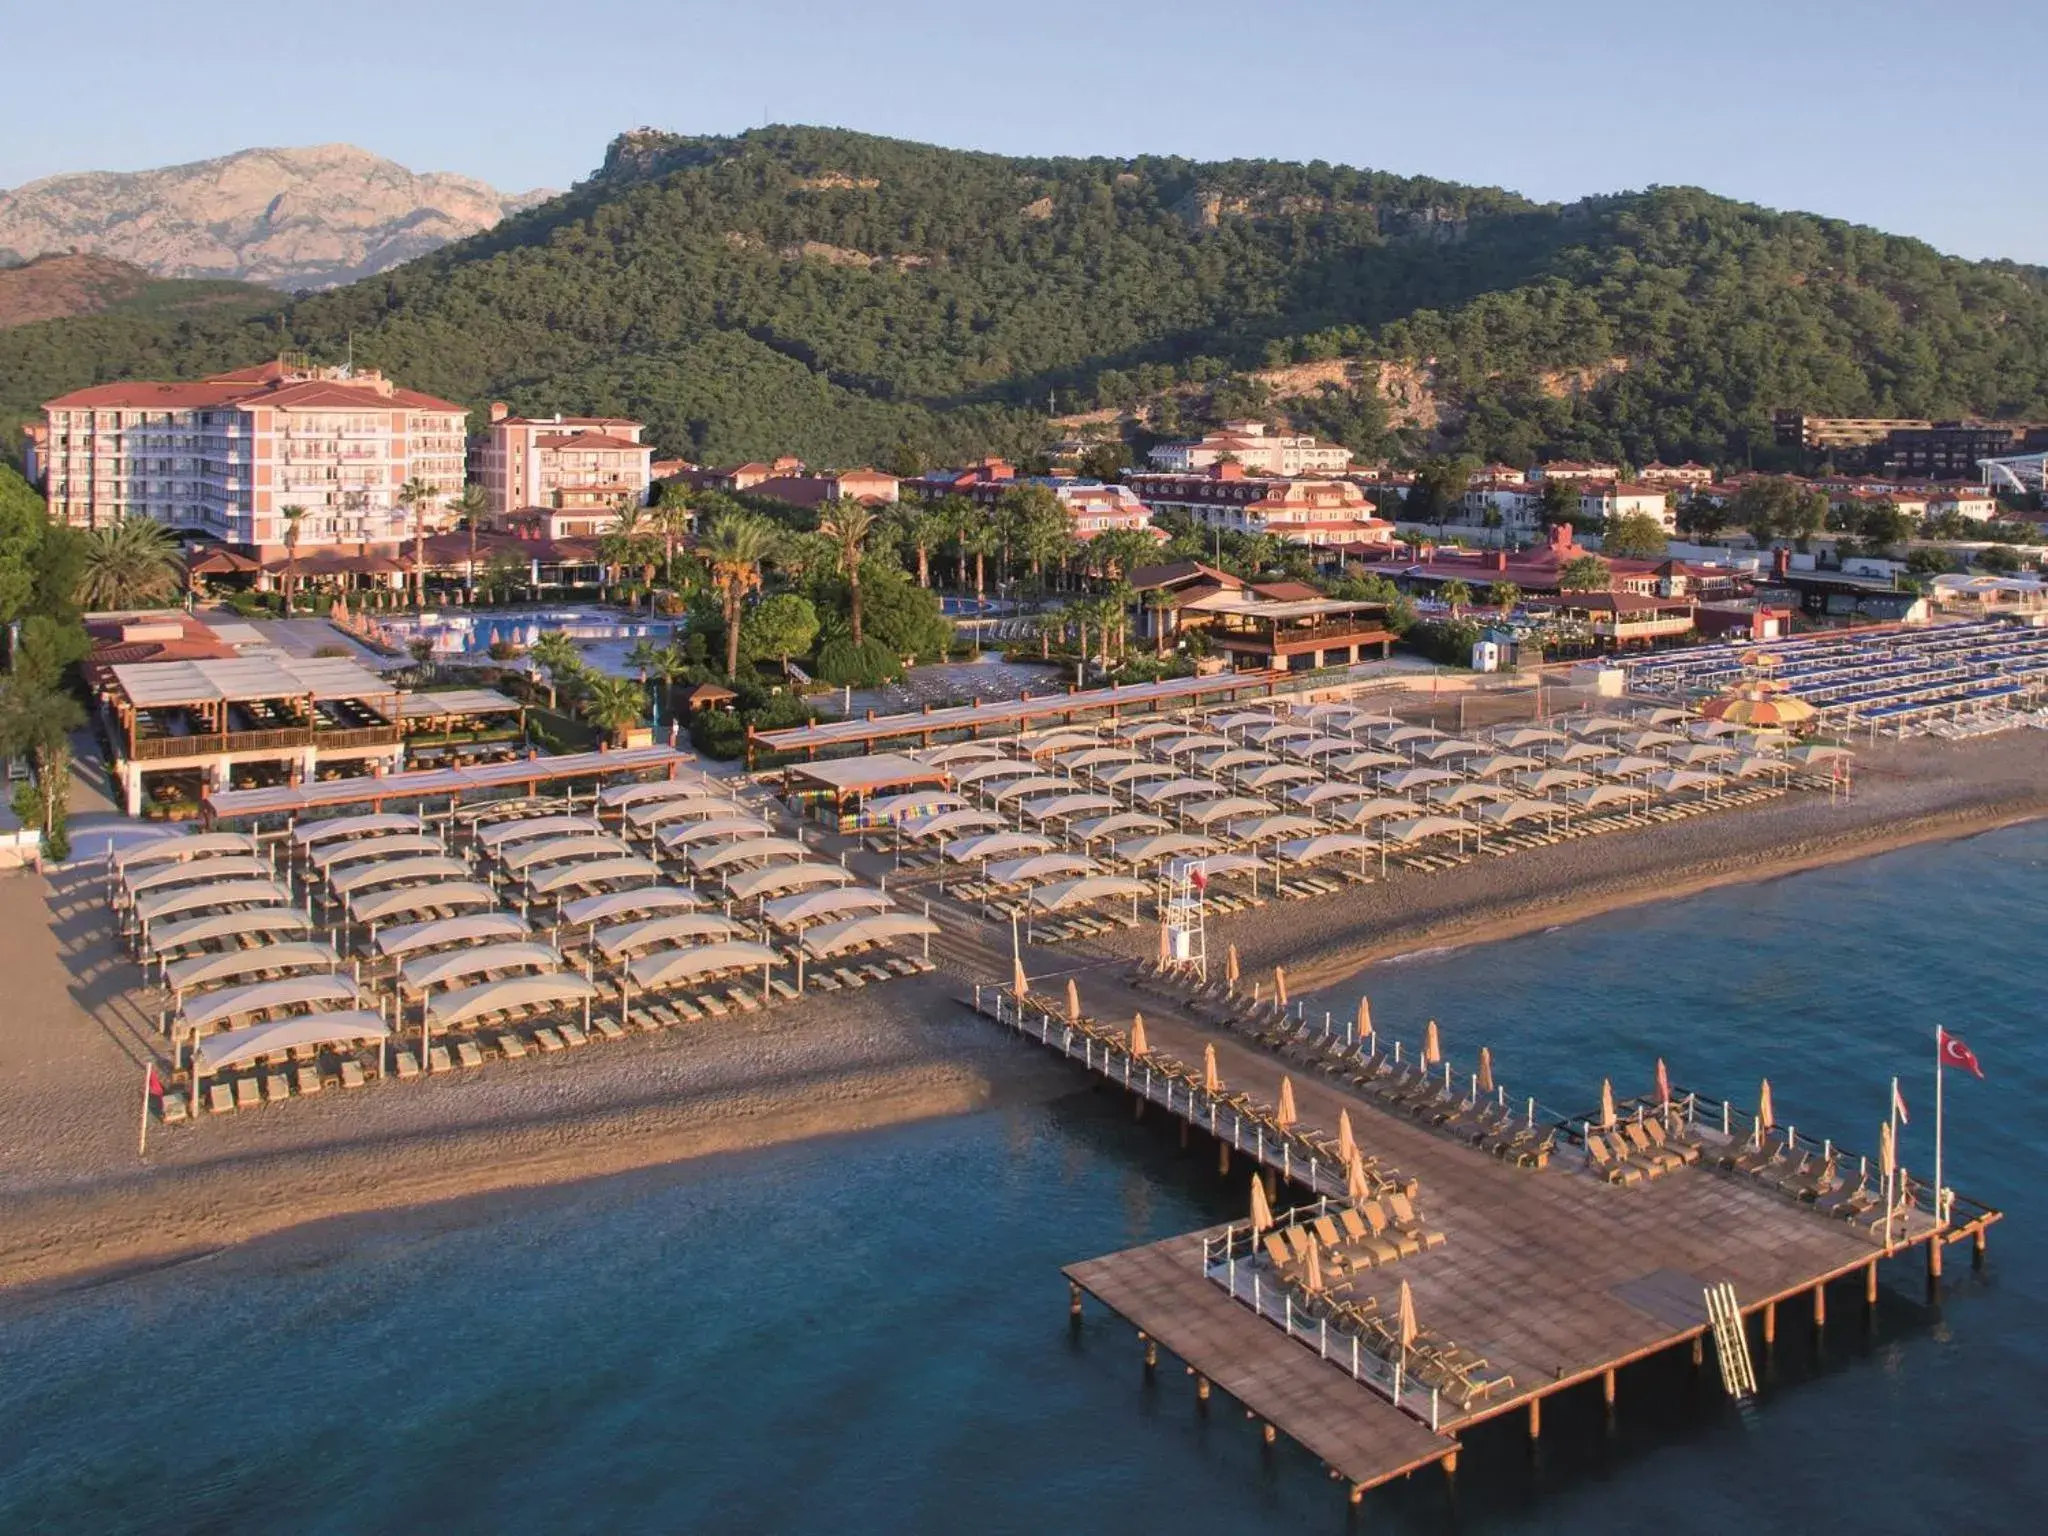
{"x":1284,"y":1116}
{"x":1887,"y":1151}
{"x":1017,"y":981}
{"x":1312,"y":1271}
{"x":1280,"y":985}
{"x":1364,"y":1017}
{"x":1606,"y":1104}
{"x":1355,"y":1187}
{"x":1406,"y":1324}
{"x":1485,"y":1069}
{"x":1663,"y":1084}
{"x":1138,"y":1045}
{"x":1764,"y":1118}
{"x":1262,"y":1213}
{"x":1347,"y":1145}
{"x":1212,"y":1080}
{"x":1432,"y":1047}
{"x":1165,"y":948}
{"x":1073,"y":1002}
{"x":1230,"y":965}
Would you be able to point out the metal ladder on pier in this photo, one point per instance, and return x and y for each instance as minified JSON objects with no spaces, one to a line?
{"x":1731,"y":1342}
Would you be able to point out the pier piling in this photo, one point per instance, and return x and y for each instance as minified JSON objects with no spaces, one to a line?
{"x":1535,"y":1418}
{"x":1934,"y":1267}
{"x":1201,"y":1388}
{"x":1820,"y":1308}
{"x":1870,"y":1286}
{"x":1699,"y":1351}
{"x":1770,"y":1323}
{"x":1223,"y":1157}
{"x":1977,"y":1244}
{"x":1074,"y":1301}
{"x":1607,"y":1388}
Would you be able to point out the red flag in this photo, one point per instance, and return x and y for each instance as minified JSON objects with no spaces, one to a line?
{"x":1200,"y":877}
{"x":1899,"y":1103}
{"x":1954,"y":1053}
{"x":155,"y":1087}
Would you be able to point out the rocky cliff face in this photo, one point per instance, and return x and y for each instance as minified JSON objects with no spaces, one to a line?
{"x":292,"y":218}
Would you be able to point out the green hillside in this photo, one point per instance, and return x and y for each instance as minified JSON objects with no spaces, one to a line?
{"x":846,"y":297}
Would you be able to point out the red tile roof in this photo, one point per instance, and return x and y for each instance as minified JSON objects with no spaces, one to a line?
{"x":268,"y":384}
{"x":590,"y":440}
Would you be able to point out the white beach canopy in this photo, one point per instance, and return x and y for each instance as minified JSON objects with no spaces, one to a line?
{"x":1232,"y":758}
{"x":995,"y":770}
{"x":234,"y":964}
{"x":583,"y":876}
{"x":774,"y":878}
{"x":714,"y":832}
{"x":502,"y":834}
{"x":1134,"y":773}
{"x":173,"y":937}
{"x":958,"y":752}
{"x":1067,"y":740}
{"x":1643,"y":741}
{"x":1516,"y":738}
{"x":1361,"y":759}
{"x":1370,"y":809}
{"x":1265,"y":829}
{"x":162,"y":850}
{"x":164,"y":877}
{"x":408,"y":901}
{"x":329,"y":858}
{"x":616,"y":797}
{"x":346,"y":828}
{"x":1450,"y":747}
{"x":748,"y":851}
{"x":1162,"y":845}
{"x":488,"y":998}
{"x":1402,"y":780}
{"x":1496,"y":763}
{"x":1310,"y":795}
{"x":481,"y":960}
{"x":1421,"y":828}
{"x":401,"y":871}
{"x":1279,"y":773}
{"x":994,"y":845}
{"x":642,"y":902}
{"x":157,"y":905}
{"x":696,"y":807}
{"x":1593,"y":796}
{"x":815,"y":906}
{"x":1398,"y":735}
{"x":1058,"y":806}
{"x":1626,"y":766}
{"x":1457,"y":795}
{"x":1692,"y":754}
{"x":1149,"y":730}
{"x":855,"y":932}
{"x":1326,"y":845}
{"x":264,"y":997}
{"x":1544,"y":780}
{"x":1037,"y":784}
{"x":1193,"y":741}
{"x":1097,"y":756}
{"x":949,"y":824}
{"x":1229,"y":806}
{"x":895,"y":808}
{"x":1578,"y":752}
{"x":542,"y":852}
{"x":1176,"y":789}
{"x":680,"y":928}
{"x":1504,"y":812}
{"x":1062,"y":894}
{"x":1040,"y":866}
{"x":1117,"y":825}
{"x":232,"y":1047}
{"x":668,"y":967}
{"x":448,"y":932}
{"x":1677,"y":780}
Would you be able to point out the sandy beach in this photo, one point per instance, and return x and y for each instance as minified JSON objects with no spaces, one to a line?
{"x":83,"y":1206}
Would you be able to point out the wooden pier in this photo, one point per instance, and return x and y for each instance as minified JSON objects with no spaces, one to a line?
{"x":1555,"y":1276}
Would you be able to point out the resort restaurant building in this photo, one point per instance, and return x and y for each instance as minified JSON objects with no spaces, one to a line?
{"x":182,"y":728}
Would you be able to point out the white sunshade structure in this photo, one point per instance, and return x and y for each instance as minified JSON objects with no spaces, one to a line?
{"x":895,"y":808}
{"x":543,"y":852}
{"x":1546,"y":781}
{"x":1663,"y":714}
{"x":1814,"y":754}
{"x":1578,"y":752}
{"x":1064,"y":895}
{"x":331,"y":857}
{"x":1135,"y":773}
{"x":1266,"y":829}
{"x":1199,"y":741}
{"x":1214,"y":864}
{"x":164,"y":877}
{"x":674,"y":967}
{"x":1673,"y":781}
{"x":504,"y":834}
{"x":487,"y":999}
{"x":1059,"y":807}
{"x":449,"y":933}
{"x":1449,"y":748}
{"x":951,"y":824}
{"x":747,"y":851}
{"x":817,"y":906}
{"x":1398,"y":735}
{"x":1233,"y":758}
{"x":587,"y":876}
{"x":213,"y":896}
{"x":173,"y":938}
{"x":164,"y":850}
{"x":1151,"y":730}
{"x":403,"y":871}
{"x":1421,"y":829}
{"x":265,"y":997}
{"x":1097,"y":757}
{"x":719,"y":829}
{"x":1362,"y":759}
{"x":831,"y":939}
{"x":234,"y":965}
{"x":1749,"y":764}
{"x":1711,"y":730}
{"x":1163,"y":845}
{"x":644,"y":901}
{"x":995,"y":771}
{"x":429,"y":971}
{"x":618,"y":797}
{"x":1040,"y":866}
{"x":1505,"y":812}
{"x":1460,"y":795}
{"x":1626,"y":766}
{"x":1594,"y":796}
{"x":1119,"y":824}
{"x":995,"y":845}
{"x":1587,"y":727}
{"x":1375,"y":808}
{"x":1309,"y":796}
{"x":1230,"y":807}
{"x":958,"y":752}
{"x":1058,"y":742}
{"x":697,"y":807}
{"x":234,"y":1047}
{"x":1402,"y":780}
{"x":681,"y":928}
{"x":777,"y":878}
{"x":1644,"y":741}
{"x":1519,"y":738}
{"x":1245,"y":719}
{"x":1326,"y":845}
{"x":1170,"y":790}
{"x":1279,"y":773}
{"x":1037,"y":784}
{"x":344,"y":828}
{"x":411,"y":900}
{"x":1279,"y":735}
{"x":1313,"y":748}
{"x":1693,"y":753}
{"x":1494,"y":764}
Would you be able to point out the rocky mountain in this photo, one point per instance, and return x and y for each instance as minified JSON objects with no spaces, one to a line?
{"x":57,"y":287}
{"x":292,"y":218}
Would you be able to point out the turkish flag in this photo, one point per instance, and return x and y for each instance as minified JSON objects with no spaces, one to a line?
{"x":1200,"y":879}
{"x":1954,"y":1053}
{"x":156,"y":1084}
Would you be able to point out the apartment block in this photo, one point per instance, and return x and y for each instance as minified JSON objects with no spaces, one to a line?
{"x":581,"y":468}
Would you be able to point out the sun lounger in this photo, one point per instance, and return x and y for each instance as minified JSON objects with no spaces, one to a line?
{"x":1276,"y":1251}
{"x":1383,"y":1228}
{"x":277,"y":1087}
{"x":406,"y":1065}
{"x":438,"y":1060}
{"x":469,"y":1054}
{"x":547,"y":1039}
{"x":608,"y":1026}
{"x":1686,"y":1150}
{"x":572,"y":1035}
{"x":511,"y":1045}
{"x":712,"y":1005}
{"x":783,"y":990}
{"x":1326,"y":1232}
{"x":1639,"y":1143}
{"x":352,"y":1074}
{"x":742,"y":1000}
{"x":248,"y":1093}
{"x":824,"y":981}
{"x":1607,"y":1165}
{"x":1299,"y":1241}
{"x":220,"y":1098}
{"x":1403,"y":1211}
{"x":849,"y":977}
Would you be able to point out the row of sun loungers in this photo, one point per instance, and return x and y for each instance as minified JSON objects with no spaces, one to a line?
{"x":1636,"y":1150}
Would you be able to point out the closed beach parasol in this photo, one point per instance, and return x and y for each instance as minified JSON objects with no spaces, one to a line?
{"x":1017,"y":982}
{"x":1432,"y":1047}
{"x":1230,"y":965}
{"x":1485,"y":1069}
{"x":1280,"y":985}
{"x":1364,"y":1017}
{"x":1312,"y":1271}
{"x":1606,"y":1104}
{"x":1212,"y":1080}
{"x":1346,"y":1143}
{"x":1073,"y":1002}
{"x":1764,"y":1118}
{"x":1165,"y":951}
{"x":1138,"y":1045}
{"x":1284,"y":1115}
{"x":1663,"y":1083}
{"x":1887,"y":1151}
{"x":1262,"y":1213}
{"x":1355,"y":1186}
{"x":1407,"y":1326}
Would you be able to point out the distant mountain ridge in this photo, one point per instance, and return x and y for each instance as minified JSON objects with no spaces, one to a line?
{"x":289,"y":218}
{"x":59,"y":287}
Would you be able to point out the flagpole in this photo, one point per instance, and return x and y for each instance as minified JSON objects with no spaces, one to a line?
{"x":142,"y":1146}
{"x":1937,"y":1127}
{"x":1891,"y":1208}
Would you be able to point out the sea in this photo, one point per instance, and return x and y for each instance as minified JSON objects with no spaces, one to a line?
{"x":870,"y":1334}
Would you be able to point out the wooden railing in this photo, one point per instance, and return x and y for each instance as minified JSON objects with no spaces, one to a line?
{"x":342,"y":737}
{"x":173,"y":748}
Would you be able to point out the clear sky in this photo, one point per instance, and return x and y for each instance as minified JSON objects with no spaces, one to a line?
{"x":1918,"y":116}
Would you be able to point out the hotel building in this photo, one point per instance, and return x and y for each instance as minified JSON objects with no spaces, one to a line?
{"x":580,"y":468}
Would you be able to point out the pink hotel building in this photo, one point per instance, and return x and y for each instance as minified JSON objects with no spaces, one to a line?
{"x":223,"y":456}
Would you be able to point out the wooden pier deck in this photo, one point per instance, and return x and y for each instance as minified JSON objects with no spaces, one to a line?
{"x":1553,"y":1275}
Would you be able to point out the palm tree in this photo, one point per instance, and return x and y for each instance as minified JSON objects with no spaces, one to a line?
{"x":643,"y":658}
{"x":129,"y":564}
{"x":733,"y":549}
{"x":848,"y":524}
{"x":1159,"y":603}
{"x":292,"y":517}
{"x":1585,"y":573}
{"x":979,"y":539}
{"x":669,"y":663}
{"x":613,"y":705}
{"x":1505,"y":596}
{"x":1457,"y":592}
{"x":672,"y":515}
{"x":922,"y":530}
{"x":555,"y":654}
{"x":415,"y":496}
{"x":960,"y":517}
{"x":471,"y":506}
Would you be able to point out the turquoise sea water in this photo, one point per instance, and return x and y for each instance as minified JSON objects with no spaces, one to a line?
{"x":870,"y":1334}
